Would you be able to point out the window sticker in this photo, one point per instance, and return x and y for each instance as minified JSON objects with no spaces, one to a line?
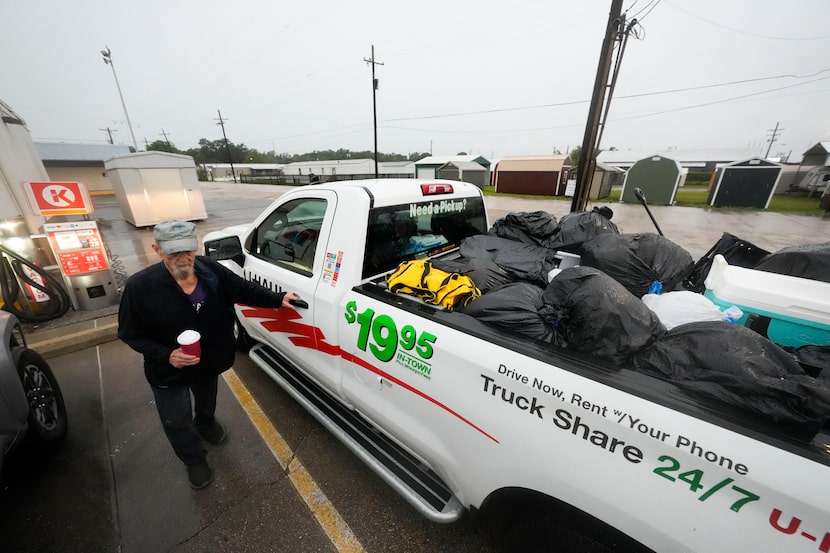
{"x":331,"y":267}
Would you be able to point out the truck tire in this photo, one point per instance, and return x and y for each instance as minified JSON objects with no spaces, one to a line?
{"x":241,"y":338}
{"x":48,"y":424}
{"x":543,"y":534}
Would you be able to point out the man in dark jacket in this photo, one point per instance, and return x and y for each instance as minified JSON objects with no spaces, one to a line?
{"x":187,"y":292}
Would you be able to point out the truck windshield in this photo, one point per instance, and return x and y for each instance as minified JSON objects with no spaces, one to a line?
{"x":419,"y":229}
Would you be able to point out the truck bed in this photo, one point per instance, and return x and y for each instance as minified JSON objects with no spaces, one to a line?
{"x":813,"y":446}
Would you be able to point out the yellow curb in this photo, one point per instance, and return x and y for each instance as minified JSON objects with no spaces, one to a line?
{"x":333,"y":525}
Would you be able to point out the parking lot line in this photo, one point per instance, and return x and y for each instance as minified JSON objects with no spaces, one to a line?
{"x":333,"y":525}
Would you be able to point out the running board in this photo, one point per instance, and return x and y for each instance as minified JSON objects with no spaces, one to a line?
{"x":414,"y":481}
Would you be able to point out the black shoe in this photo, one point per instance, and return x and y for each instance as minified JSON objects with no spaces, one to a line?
{"x":214,"y":434}
{"x":200,"y":475}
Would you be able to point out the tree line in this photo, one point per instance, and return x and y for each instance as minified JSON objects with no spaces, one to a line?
{"x":216,"y":151}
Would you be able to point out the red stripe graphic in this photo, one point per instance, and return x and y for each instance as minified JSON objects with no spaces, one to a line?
{"x":311,"y":337}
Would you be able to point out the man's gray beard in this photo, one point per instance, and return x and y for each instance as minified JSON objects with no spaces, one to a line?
{"x":182,"y":273}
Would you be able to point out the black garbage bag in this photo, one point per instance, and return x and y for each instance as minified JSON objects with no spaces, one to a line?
{"x":521,"y":261}
{"x":529,"y":227}
{"x":735,"y":250}
{"x":808,"y":261}
{"x":579,"y":226}
{"x":638,"y":261}
{"x":513,"y":308}
{"x":814,"y":359}
{"x":486,"y":273}
{"x":594,"y":313}
{"x":741,"y":368}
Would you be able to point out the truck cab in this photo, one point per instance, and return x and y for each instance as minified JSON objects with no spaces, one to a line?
{"x":320,"y":241}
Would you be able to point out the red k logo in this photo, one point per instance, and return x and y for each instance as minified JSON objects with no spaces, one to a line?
{"x":58,"y":195}
{"x":58,"y":198}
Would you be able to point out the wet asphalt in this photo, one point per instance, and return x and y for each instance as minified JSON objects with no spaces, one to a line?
{"x":115,"y":485}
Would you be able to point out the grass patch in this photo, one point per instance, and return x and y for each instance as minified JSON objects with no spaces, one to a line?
{"x":695,"y":196}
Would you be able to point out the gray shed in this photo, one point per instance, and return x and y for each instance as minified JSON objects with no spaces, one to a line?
{"x":605,"y":178}
{"x":467,"y":171}
{"x":426,"y":168}
{"x":748,"y":183}
{"x":657,"y":176}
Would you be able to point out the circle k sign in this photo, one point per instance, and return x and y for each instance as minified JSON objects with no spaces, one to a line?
{"x":58,"y":198}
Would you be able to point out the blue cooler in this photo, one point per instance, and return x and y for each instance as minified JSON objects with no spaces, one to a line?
{"x":798,"y":308}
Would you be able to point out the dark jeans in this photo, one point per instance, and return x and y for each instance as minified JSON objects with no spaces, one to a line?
{"x":180,"y":417}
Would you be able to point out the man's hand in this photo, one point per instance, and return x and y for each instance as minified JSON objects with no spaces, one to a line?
{"x":288,"y":298}
{"x":180,"y":359}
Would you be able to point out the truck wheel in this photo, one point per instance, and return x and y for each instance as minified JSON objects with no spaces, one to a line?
{"x":241,"y":338}
{"x":48,"y":423}
{"x":543,"y":534}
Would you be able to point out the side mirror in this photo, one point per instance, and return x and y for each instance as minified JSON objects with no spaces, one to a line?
{"x":225,"y":248}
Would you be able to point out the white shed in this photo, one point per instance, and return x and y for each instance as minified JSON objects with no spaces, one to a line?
{"x":152,"y":187}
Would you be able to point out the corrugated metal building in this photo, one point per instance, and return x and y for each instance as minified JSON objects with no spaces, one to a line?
{"x":704,"y":160}
{"x":346,"y":169}
{"x":243,"y":171}
{"x":80,"y":163}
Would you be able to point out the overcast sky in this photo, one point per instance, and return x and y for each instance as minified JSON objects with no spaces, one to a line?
{"x":492,"y":78}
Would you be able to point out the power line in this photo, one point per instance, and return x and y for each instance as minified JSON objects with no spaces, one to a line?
{"x":716,"y":24}
{"x":722,"y":101}
{"x":625,"y":96}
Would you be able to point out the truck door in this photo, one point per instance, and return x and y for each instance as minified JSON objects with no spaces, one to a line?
{"x":286,"y":253}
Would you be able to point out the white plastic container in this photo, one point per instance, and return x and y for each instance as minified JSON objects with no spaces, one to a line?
{"x":566,"y":259}
{"x":798,"y":308}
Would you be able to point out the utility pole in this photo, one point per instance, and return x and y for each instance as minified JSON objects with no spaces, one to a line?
{"x":167,"y":140}
{"x":772,"y":139}
{"x":109,"y":133}
{"x":227,"y":148}
{"x":374,"y":104}
{"x":587,"y":154}
{"x":108,"y":60}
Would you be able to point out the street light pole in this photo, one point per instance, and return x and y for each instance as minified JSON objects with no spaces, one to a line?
{"x":108,"y":60}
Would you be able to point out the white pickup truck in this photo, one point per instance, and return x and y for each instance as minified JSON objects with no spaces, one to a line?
{"x":456,"y":415}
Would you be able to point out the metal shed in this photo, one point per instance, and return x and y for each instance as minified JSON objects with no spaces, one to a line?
{"x":427,"y":167}
{"x":657,"y":176}
{"x":605,"y":178}
{"x":748,"y":183}
{"x":543,"y":175}
{"x":152,"y":187}
{"x":467,"y":171}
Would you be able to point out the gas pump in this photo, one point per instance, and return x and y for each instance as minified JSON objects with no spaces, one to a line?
{"x":28,"y":290}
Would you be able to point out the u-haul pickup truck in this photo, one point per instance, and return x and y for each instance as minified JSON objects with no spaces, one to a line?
{"x":456,"y":415}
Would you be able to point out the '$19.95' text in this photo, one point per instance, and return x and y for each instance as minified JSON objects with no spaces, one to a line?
{"x":385,"y":335}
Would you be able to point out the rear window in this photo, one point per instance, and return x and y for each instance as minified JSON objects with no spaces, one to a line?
{"x":402,"y":232}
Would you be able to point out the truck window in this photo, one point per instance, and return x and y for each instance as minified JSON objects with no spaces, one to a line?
{"x":409,"y":231}
{"x":288,"y":237}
